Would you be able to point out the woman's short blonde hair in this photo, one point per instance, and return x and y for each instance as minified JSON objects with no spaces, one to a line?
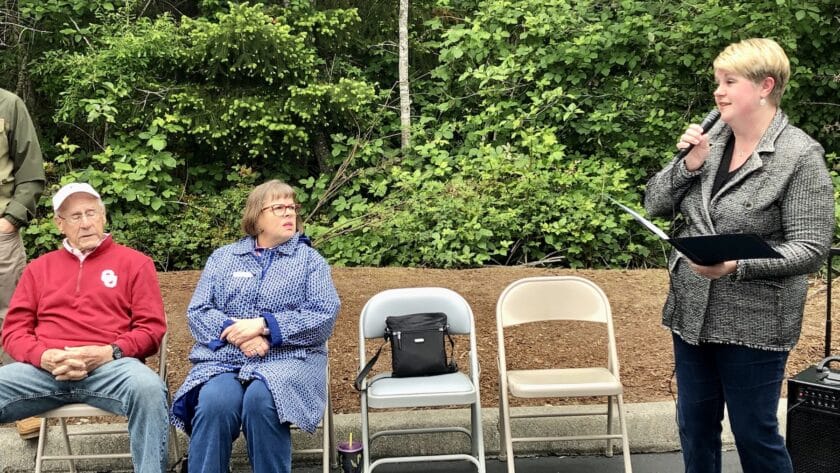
{"x":259,"y":197}
{"x":755,"y":59}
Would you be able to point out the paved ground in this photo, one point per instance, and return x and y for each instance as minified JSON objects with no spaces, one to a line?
{"x":642,"y":463}
{"x":651,"y":428}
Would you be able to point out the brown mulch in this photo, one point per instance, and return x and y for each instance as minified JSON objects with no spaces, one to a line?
{"x":636,"y":297}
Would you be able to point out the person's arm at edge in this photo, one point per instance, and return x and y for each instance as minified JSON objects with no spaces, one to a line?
{"x":28,"y":168}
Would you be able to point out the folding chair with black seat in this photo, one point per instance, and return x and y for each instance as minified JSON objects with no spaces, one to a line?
{"x":86,"y":410}
{"x":558,"y":298}
{"x":453,"y":389}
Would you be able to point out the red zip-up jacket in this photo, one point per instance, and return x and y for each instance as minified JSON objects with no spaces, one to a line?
{"x":111,"y":297}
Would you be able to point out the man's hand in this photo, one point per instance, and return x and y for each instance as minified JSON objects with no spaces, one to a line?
{"x":243,"y":330}
{"x":63,"y":365}
{"x":93,"y":356}
{"x":7,"y":226}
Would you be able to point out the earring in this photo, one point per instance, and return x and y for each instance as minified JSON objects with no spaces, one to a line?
{"x":762,"y":102}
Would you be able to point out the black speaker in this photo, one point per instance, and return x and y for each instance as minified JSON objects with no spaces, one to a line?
{"x":813,"y":421}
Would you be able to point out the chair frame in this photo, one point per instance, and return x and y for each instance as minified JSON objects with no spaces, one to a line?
{"x":86,"y":410}
{"x":423,"y":299}
{"x":328,"y":449}
{"x":505,"y":416}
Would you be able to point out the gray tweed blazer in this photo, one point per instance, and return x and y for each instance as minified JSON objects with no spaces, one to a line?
{"x":784,"y":194}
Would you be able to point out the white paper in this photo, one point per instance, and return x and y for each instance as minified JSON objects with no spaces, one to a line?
{"x":656,"y":230}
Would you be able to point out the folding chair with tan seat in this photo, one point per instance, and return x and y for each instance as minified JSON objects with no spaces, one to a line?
{"x":556,"y":298}
{"x":86,"y":410}
{"x":452,"y":389}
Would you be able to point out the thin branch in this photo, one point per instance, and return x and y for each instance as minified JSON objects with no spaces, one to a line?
{"x":829,"y":104}
{"x":79,"y":30}
{"x":90,"y":137}
{"x":22,"y":27}
{"x":143,"y":10}
{"x":544,"y":261}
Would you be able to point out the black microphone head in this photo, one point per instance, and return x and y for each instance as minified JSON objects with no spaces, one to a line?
{"x":710,"y":120}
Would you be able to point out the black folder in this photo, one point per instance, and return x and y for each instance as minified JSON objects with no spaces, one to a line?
{"x":707,"y":250}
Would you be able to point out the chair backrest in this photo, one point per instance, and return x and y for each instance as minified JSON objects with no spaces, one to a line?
{"x":552,"y":298}
{"x":163,"y":367}
{"x":411,"y":301}
{"x":548,"y":298}
{"x":414,"y":300}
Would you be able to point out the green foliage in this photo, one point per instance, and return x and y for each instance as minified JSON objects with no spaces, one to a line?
{"x":185,"y":240}
{"x":526,"y":114}
{"x":500,"y":209}
{"x":160,"y":112}
{"x":246,"y":44}
{"x":589,"y":94}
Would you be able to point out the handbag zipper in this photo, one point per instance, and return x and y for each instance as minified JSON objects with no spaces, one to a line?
{"x":398,"y":334}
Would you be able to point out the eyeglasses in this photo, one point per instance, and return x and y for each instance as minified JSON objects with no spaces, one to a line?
{"x":279,"y":210}
{"x":76,"y":218}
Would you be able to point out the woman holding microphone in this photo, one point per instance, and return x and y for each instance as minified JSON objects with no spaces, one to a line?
{"x":734,"y":323}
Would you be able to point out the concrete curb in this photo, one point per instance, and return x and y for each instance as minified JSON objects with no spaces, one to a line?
{"x":652,"y":428}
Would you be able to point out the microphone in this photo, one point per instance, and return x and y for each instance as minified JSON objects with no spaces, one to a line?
{"x":706,"y":125}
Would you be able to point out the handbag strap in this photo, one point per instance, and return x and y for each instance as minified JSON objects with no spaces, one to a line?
{"x":453,"y":367}
{"x":363,"y":374}
{"x":369,"y":365}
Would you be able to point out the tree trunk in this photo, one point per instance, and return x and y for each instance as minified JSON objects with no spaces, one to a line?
{"x":321,"y":148}
{"x":405,"y":99}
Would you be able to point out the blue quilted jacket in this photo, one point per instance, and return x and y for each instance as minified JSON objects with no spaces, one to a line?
{"x":291,"y":286}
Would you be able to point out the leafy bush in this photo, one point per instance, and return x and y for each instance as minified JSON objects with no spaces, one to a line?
{"x":162,"y":114}
{"x":540,"y":108}
{"x":526,"y":114}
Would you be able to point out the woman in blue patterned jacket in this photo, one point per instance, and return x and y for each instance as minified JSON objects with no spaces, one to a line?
{"x":735,"y":322}
{"x":261,"y":316}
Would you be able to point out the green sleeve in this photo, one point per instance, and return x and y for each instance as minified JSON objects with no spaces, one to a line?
{"x":25,"y":152}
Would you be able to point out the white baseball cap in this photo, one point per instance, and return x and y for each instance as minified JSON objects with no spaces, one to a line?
{"x":69,"y":190}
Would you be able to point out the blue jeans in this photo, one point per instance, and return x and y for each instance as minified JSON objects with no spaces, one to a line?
{"x":226,"y":406}
{"x":125,"y":387}
{"x":749,"y":382}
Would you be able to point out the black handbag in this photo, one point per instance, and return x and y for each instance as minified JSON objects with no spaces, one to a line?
{"x":418,"y":346}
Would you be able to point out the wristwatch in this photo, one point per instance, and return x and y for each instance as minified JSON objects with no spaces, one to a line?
{"x":116,"y":352}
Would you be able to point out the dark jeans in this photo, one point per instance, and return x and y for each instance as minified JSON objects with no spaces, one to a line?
{"x":224,"y":407}
{"x":749,"y":382}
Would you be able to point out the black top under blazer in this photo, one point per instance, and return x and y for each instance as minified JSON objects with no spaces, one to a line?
{"x":783,"y":193}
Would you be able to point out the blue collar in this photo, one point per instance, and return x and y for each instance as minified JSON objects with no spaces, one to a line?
{"x":248,"y":244}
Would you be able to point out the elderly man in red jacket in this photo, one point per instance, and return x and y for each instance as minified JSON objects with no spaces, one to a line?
{"x":81,"y":321}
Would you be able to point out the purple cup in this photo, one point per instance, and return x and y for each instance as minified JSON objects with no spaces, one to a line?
{"x":350,"y":456}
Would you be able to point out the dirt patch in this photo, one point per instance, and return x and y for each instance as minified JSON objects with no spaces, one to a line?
{"x":636,"y":297}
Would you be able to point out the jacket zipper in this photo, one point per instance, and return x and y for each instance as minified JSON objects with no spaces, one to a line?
{"x":79,"y":277}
